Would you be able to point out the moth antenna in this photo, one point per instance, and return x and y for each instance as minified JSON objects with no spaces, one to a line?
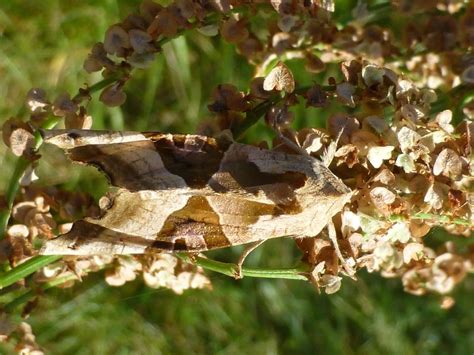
{"x":248,"y":249}
{"x":290,"y":143}
{"x":330,"y":152}
{"x":333,"y":237}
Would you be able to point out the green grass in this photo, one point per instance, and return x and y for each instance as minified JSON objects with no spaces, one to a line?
{"x":43,"y":44}
{"x":371,"y":316}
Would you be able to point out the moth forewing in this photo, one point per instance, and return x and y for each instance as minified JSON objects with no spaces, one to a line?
{"x":193,"y":193}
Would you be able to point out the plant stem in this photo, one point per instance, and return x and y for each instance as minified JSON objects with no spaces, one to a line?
{"x":32,"y":292}
{"x":13,"y":186}
{"x":252,"y":116}
{"x":442,"y":219}
{"x":229,"y":269}
{"x":27,"y":268}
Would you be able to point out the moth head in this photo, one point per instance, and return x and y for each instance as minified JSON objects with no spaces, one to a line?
{"x":62,"y":138}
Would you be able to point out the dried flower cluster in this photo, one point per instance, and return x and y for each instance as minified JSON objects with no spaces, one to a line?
{"x":26,"y":339}
{"x":159,"y":270}
{"x":403,"y":143}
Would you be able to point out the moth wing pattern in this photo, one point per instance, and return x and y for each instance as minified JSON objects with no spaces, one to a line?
{"x":193,"y":193}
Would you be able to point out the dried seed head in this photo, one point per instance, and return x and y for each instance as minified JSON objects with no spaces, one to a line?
{"x":412,"y":251}
{"x":78,"y":121}
{"x":250,"y":47}
{"x":345,"y":92}
{"x":467,"y":75}
{"x":447,"y":302}
{"x":377,"y":123}
{"x":406,"y":162}
{"x":287,"y":22}
{"x":376,"y":155}
{"x":91,"y":65}
{"x":282,"y":41}
{"x":407,"y":138}
{"x":116,"y":39}
{"x":331,"y":283}
{"x":18,"y":231}
{"x":372,"y":75}
{"x":435,"y":196}
{"x":348,"y":154}
{"x":284,"y":6}
{"x":187,"y":8}
{"x":342,"y":126}
{"x":312,"y":143}
{"x":209,"y":30}
{"x":165,"y":24}
{"x":36,"y":99}
{"x":385,"y":176}
{"x":28,"y":176}
{"x":228,"y":98}
{"x":149,"y":9}
{"x":141,"y":60}
{"x":314,"y":64}
{"x":382,"y":198}
{"x":125,"y":271}
{"x":279,"y":116}
{"x":234,"y":31}
{"x":328,"y":5}
{"x":257,"y":90}
{"x":21,"y":142}
{"x":316,"y":97}
{"x":412,"y":112}
{"x":444,"y":120}
{"x":63,"y":105}
{"x":448,"y":163}
{"x":280,"y":79}
{"x":113,"y":95}
{"x":97,"y":59}
{"x":134,"y":21}
{"x":351,"y":71}
{"x":140,"y":41}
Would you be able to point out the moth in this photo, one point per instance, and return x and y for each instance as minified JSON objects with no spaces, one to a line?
{"x":191,"y":193}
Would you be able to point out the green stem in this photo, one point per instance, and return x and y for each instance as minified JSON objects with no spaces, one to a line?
{"x":97,"y":87}
{"x":27,"y":268}
{"x":20,"y":168}
{"x":32,"y":292}
{"x":229,"y":269}
{"x":253,"y":116}
{"x":442,"y":219}
{"x":14,"y":185}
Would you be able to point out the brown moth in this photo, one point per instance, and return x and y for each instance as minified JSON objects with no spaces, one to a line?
{"x":192,"y":193}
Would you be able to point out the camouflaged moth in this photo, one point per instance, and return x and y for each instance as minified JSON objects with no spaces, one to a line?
{"x":192,"y":193}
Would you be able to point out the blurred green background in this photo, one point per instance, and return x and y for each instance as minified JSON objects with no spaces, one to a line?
{"x":43,"y":44}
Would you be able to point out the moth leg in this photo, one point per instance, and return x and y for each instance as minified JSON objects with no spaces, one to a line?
{"x":330,"y":151}
{"x":248,"y":249}
{"x":333,"y":237}
{"x":289,"y":143}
